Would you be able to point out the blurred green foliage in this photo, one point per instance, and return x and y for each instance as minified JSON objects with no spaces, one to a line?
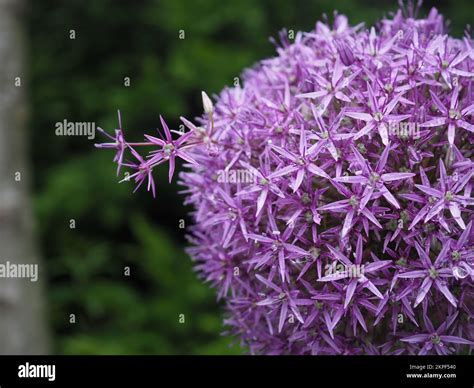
{"x":83,"y":80}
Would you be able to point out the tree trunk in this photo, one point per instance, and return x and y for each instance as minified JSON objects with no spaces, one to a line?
{"x":22,"y":324}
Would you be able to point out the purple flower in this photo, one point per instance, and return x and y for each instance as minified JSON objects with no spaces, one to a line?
{"x":119,"y":143}
{"x":453,"y":117}
{"x":432,"y":274}
{"x":446,"y":197}
{"x":143,"y":172}
{"x":171,"y":148}
{"x":301,"y":162}
{"x":380,"y":116}
{"x":347,"y":228}
{"x":329,"y":89}
{"x":374,"y":180}
{"x":263,"y":185}
{"x":168,"y":151}
{"x":436,"y":338}
{"x":348,"y":273}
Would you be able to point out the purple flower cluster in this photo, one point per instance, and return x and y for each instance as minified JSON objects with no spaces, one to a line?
{"x":354,"y":233}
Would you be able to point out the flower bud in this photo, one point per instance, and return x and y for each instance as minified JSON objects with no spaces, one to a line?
{"x":345,"y":52}
{"x":206,"y":102}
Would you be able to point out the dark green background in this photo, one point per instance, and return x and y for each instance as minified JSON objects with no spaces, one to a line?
{"x":83,"y":80}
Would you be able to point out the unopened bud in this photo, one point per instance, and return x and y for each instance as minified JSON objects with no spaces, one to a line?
{"x":345,"y":52}
{"x":206,"y":102}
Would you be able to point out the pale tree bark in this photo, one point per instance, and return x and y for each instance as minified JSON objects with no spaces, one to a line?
{"x":22,"y":320}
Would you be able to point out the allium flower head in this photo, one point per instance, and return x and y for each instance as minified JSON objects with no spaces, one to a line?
{"x":348,"y":229}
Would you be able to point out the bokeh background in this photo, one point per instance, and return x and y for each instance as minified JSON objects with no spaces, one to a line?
{"x":82,"y":79}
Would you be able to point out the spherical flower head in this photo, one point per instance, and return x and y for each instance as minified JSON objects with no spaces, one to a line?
{"x":333,"y":192}
{"x":358,"y":145}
